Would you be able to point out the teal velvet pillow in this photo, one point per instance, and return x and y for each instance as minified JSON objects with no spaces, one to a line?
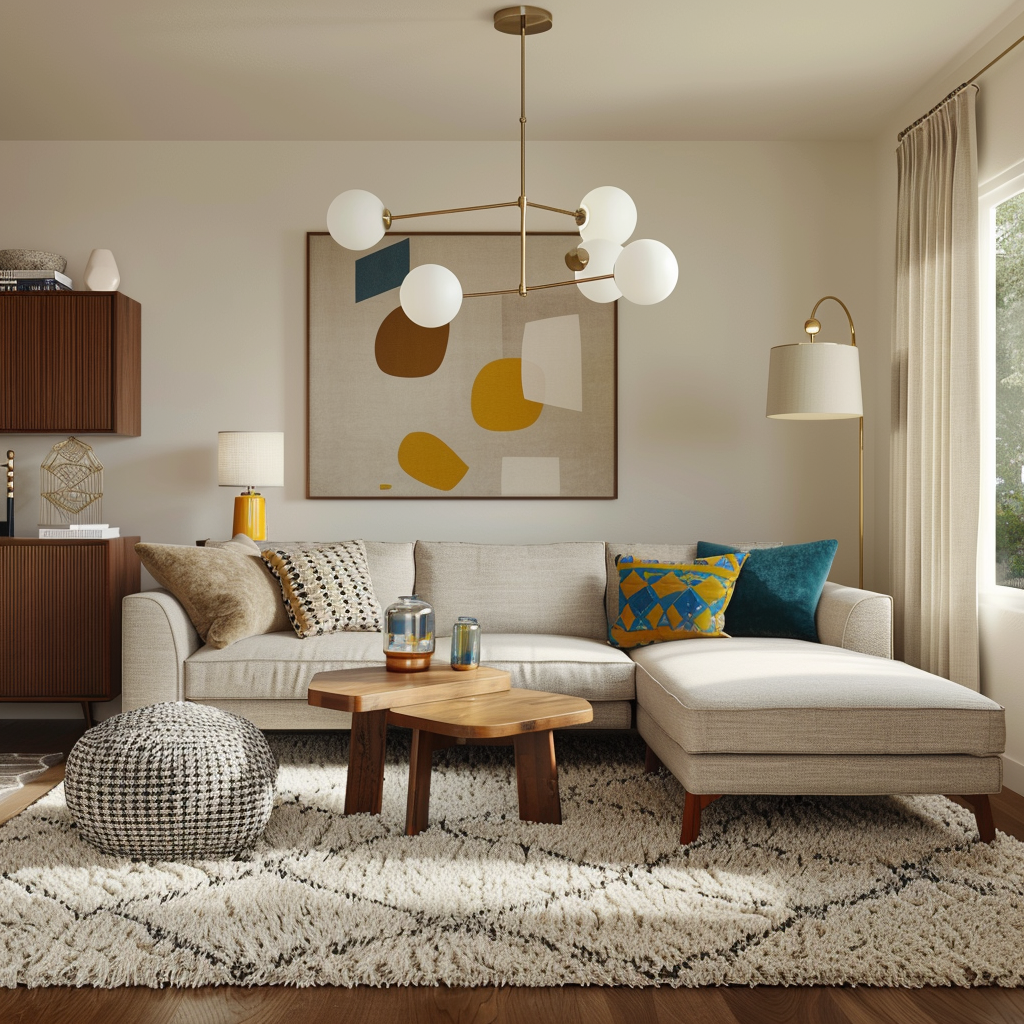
{"x":778,"y":589}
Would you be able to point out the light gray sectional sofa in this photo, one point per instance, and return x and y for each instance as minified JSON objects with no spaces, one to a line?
{"x":725,"y":715}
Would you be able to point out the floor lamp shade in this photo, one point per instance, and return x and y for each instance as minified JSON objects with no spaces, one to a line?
{"x":814,"y":381}
{"x":247,"y":458}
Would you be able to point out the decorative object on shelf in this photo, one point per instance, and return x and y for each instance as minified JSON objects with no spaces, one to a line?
{"x":7,"y":528}
{"x":31,"y":259}
{"x":248,"y":458}
{"x":101,"y":273}
{"x":466,"y":644}
{"x":408,"y":635}
{"x":645,"y":271}
{"x":514,"y":399}
{"x":70,"y":485}
{"x":818,"y":380}
{"x":171,"y":781}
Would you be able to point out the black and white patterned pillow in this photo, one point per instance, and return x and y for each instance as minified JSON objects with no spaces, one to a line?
{"x":326,"y":587}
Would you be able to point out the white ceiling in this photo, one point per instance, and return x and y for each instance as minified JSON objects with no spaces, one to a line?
{"x":436,"y":69}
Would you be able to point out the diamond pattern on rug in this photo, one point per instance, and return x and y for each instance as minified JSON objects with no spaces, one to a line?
{"x":778,"y":890}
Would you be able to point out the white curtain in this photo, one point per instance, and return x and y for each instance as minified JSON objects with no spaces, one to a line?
{"x":936,"y":420}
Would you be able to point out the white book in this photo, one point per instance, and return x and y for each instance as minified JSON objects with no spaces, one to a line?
{"x":67,"y":527}
{"x":96,"y":533}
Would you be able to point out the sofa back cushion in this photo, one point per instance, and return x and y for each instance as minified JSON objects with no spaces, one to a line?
{"x":556,"y":589}
{"x":392,"y":569}
{"x":652,"y":553}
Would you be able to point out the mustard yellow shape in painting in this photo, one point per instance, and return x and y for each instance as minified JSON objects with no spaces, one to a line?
{"x":497,"y":400}
{"x":428,"y":459}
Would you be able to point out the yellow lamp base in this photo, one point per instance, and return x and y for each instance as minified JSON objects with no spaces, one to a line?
{"x":250,"y":516}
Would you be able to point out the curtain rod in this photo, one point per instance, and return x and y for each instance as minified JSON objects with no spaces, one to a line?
{"x":959,"y":88}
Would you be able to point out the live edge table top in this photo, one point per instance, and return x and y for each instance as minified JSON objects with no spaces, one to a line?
{"x":377,"y":689}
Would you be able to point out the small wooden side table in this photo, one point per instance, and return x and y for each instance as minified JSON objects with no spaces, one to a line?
{"x":368,"y":694}
{"x":527,"y":716}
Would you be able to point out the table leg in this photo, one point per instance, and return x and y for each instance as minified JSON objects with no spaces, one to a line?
{"x":537,"y":777}
{"x":417,"y":813}
{"x":365,"y":788}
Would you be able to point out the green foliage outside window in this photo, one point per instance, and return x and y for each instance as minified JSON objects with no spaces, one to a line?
{"x":1010,"y":392}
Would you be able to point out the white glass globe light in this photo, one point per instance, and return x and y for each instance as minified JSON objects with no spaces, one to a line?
{"x":431,"y":295}
{"x":603,"y":255}
{"x":356,"y":219}
{"x":610,"y":213}
{"x":646,"y":271}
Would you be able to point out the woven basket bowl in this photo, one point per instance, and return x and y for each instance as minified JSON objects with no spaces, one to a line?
{"x":31,"y":259}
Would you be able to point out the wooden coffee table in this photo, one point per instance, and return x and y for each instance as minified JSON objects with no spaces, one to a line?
{"x":368,"y":693}
{"x":527,"y":716}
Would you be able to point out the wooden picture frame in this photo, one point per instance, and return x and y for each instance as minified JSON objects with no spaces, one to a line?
{"x":516,"y":398}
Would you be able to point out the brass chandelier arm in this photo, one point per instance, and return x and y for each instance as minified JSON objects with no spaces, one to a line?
{"x":389,"y":216}
{"x":577,"y":215}
{"x":537,"y":287}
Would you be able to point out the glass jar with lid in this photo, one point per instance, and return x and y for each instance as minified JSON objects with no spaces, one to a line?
{"x":408,"y":635}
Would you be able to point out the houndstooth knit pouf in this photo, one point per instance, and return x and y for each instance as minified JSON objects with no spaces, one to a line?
{"x":175,"y":781}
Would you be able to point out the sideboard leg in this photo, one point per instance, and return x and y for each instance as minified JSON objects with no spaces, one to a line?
{"x":87,"y":713}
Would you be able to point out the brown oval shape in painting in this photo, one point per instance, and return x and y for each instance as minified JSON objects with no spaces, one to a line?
{"x":428,"y":459}
{"x":404,"y":349}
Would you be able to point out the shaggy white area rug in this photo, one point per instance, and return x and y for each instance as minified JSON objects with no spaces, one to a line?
{"x":17,"y":769}
{"x":870,"y":891}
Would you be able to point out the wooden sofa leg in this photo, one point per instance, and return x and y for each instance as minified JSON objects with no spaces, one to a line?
{"x":983,"y":816}
{"x":693,"y":804}
{"x":652,"y":763}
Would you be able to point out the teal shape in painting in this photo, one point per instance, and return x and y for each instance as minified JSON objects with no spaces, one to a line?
{"x":382,"y":270}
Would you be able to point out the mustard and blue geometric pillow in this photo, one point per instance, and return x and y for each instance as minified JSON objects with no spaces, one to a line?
{"x":673,"y":601}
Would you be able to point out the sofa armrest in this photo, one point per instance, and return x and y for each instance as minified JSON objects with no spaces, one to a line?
{"x":858,"y":620}
{"x":157,"y":637}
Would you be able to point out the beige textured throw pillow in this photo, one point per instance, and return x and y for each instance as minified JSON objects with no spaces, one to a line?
{"x":326,"y":587}
{"x":225,"y":588}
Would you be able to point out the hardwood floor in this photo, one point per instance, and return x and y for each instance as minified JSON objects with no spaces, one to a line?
{"x":733,"y":1005}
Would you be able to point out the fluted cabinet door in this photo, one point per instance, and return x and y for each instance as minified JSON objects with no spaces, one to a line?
{"x":70,"y":362}
{"x":60,"y":617}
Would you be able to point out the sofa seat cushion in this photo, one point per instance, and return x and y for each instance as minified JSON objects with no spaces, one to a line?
{"x":276,"y":665}
{"x":280,"y":665}
{"x":748,"y":695}
{"x":571,"y":665}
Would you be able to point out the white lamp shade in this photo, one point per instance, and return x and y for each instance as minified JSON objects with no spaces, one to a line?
{"x":814,"y":381}
{"x":356,"y":219}
{"x":603,"y":255}
{"x":610,"y":213}
{"x":430,"y":295}
{"x":247,"y":458}
{"x":646,"y":271}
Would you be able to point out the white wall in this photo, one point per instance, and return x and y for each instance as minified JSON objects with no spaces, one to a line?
{"x":210,"y":238}
{"x":1000,"y":146}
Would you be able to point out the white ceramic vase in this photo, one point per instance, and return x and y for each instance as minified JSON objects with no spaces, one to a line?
{"x":101,"y":273}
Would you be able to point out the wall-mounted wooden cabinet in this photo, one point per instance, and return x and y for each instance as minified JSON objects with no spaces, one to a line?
{"x":70,"y":363}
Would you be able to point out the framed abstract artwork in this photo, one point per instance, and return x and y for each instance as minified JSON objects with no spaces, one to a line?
{"x":515,"y":398}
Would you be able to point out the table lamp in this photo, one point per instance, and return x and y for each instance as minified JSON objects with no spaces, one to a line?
{"x":819,"y":380}
{"x":247,"y":458}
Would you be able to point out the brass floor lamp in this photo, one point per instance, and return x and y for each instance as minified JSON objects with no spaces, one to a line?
{"x":820,"y":380}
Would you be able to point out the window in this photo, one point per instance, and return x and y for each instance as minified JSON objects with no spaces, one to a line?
{"x":1008,"y":239}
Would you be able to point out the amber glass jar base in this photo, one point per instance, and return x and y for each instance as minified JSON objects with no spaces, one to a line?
{"x":395,"y":662}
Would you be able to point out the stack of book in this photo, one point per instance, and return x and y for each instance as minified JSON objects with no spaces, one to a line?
{"x":79,"y":531}
{"x":34,"y":281}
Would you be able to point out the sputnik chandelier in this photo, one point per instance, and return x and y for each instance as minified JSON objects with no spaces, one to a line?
{"x":604,"y":267}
